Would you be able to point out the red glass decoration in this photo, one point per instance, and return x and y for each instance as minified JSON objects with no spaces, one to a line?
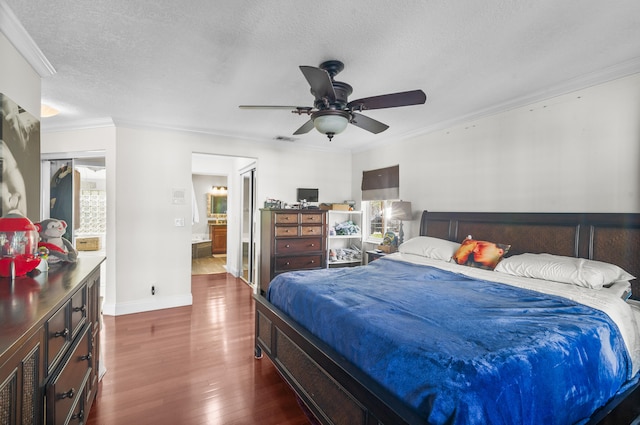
{"x":18,"y":245}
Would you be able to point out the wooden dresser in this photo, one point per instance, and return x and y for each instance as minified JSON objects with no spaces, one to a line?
{"x":49,"y":344}
{"x":291,"y":240}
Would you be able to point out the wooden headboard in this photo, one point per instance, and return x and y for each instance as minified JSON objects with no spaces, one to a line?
{"x":609,"y":237}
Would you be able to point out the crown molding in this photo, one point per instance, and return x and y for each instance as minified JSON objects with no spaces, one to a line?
{"x":581,"y":82}
{"x":86,"y":124}
{"x":119,"y":122}
{"x":11,"y":27}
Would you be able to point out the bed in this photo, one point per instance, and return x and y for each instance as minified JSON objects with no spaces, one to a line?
{"x":598,"y":379}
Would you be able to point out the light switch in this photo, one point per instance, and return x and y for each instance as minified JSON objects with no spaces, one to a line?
{"x":179,"y":222}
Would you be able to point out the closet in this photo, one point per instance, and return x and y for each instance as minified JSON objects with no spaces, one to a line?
{"x":74,"y":190}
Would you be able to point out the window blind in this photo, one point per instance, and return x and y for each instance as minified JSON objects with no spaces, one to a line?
{"x":381,"y":184}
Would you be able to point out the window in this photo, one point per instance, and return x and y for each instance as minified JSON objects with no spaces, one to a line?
{"x":379,"y":188}
{"x":377,"y":214}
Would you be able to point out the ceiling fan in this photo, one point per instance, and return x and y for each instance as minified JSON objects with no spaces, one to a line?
{"x":332,"y":112}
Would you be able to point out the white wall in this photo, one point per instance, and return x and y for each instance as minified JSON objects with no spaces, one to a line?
{"x":574,"y":153}
{"x":98,"y":139}
{"x":18,"y":80}
{"x":144,"y":247}
{"x":21,"y":83}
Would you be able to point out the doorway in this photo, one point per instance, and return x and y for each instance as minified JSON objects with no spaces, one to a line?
{"x":74,"y":190}
{"x":209,"y":224}
{"x":240,"y":204}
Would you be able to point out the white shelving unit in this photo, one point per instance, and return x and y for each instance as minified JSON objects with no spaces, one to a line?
{"x":344,"y":250}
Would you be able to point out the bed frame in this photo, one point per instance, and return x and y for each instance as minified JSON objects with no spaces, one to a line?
{"x":335,"y":392}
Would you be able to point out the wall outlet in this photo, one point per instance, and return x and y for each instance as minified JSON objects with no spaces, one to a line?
{"x":179,"y":222}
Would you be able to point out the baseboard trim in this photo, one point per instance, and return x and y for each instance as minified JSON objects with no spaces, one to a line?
{"x":156,"y":303}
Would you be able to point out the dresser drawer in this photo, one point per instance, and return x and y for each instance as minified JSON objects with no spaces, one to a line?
{"x":290,"y":246}
{"x":67,"y":386}
{"x":79,"y":413}
{"x":298,"y":262}
{"x":286,"y":218}
{"x":286,"y":231}
{"x":312,"y":218}
{"x":58,"y":334}
{"x":311,"y":230}
{"x":78,"y":310}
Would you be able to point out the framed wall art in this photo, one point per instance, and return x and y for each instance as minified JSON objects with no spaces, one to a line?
{"x":19,"y":160}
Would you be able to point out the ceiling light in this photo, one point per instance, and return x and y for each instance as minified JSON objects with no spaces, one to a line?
{"x":331,"y":121}
{"x":218,"y":190}
{"x":47,"y":111}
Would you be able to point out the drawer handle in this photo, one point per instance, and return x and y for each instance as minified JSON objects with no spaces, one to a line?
{"x":287,"y":246}
{"x":313,"y":261}
{"x":312,"y":245}
{"x":82,"y":309}
{"x":62,"y":333}
{"x":79,"y":415}
{"x":288,"y":263}
{"x":87,"y":357}
{"x":68,"y":394}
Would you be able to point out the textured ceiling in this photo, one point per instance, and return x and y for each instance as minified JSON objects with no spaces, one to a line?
{"x":189,"y":64}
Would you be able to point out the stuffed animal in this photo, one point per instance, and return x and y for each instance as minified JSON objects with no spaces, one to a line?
{"x":60,"y":249}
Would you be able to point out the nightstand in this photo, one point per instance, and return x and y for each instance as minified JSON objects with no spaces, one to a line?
{"x":374,"y":255}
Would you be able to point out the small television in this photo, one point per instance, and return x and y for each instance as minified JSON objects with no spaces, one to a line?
{"x":310,"y":195}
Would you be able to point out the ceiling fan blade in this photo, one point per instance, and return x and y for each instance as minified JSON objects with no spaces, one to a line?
{"x":393,"y":100}
{"x":320,"y":82}
{"x":367,"y":123}
{"x":306,"y":127}
{"x":274,"y":107}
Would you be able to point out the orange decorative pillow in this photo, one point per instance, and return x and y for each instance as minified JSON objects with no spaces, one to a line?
{"x":482,"y":254}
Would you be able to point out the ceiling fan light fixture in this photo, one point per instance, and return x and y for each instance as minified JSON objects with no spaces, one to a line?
{"x":333,"y":111}
{"x":331,"y":121}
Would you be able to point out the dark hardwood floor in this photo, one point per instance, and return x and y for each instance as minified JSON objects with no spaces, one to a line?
{"x":191,"y":365}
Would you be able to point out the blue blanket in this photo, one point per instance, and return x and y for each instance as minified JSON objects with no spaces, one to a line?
{"x":460,"y":350}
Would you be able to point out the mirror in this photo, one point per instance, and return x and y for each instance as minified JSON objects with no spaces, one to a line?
{"x":216,"y":205}
{"x":247,"y":227}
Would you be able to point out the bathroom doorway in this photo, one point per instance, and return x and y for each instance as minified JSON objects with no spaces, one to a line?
{"x":219,"y":173}
{"x":209,"y":224}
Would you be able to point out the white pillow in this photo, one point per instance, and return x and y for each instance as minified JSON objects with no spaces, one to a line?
{"x":575,"y":271}
{"x":426,"y":246}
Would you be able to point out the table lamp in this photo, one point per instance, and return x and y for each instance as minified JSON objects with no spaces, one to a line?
{"x":401,"y":210}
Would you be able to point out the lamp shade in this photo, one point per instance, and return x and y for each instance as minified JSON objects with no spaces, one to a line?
{"x":401,"y":210}
{"x":330,"y":121}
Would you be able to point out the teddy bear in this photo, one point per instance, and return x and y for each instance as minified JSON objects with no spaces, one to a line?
{"x":60,"y":249}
